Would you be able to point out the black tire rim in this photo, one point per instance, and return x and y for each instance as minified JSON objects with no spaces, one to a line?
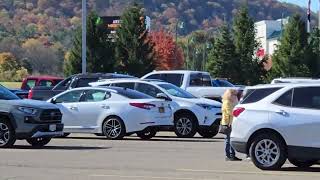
{"x":184,"y":126}
{"x":112,"y":128}
{"x":4,"y":134}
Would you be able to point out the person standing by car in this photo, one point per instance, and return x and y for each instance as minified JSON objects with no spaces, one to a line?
{"x":229,"y":101}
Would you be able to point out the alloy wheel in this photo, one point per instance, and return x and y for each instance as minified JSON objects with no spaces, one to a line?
{"x":4,"y":134}
{"x":267,"y":152}
{"x":112,"y":128}
{"x":184,"y":126}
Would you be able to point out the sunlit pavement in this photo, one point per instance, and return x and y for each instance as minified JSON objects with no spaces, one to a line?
{"x":82,"y":156}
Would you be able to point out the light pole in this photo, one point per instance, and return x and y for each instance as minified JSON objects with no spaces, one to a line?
{"x":179,"y":25}
{"x":188,"y":56}
{"x":206,"y":46}
{"x":84,"y":36}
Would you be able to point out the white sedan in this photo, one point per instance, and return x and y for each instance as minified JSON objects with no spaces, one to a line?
{"x":113,"y":112}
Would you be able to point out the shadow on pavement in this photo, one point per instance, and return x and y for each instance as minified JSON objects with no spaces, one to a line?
{"x":61,"y":147}
{"x":157,"y":138}
{"x":296,"y":169}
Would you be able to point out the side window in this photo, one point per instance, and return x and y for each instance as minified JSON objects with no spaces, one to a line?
{"x":95,"y":96}
{"x":306,"y":97}
{"x":147,"y":89}
{"x":255,"y":95}
{"x":45,"y":83}
{"x":285,"y":99}
{"x":31,"y":83}
{"x":175,"y":79}
{"x":199,"y":79}
{"x":124,"y":85}
{"x":70,"y":97}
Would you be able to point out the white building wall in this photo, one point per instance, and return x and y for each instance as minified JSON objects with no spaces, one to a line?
{"x":264,"y":29}
{"x":272,"y":45}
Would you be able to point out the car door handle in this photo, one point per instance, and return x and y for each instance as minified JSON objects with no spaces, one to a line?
{"x":105,"y":106}
{"x":73,"y":108}
{"x":282,"y":112}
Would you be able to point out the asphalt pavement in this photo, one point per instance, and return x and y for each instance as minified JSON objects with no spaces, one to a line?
{"x":165,"y":157}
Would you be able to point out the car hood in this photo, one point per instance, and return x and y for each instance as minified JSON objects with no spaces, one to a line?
{"x":31,"y":103}
{"x":200,"y":101}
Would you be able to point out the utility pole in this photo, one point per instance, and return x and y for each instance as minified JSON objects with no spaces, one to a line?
{"x":84,"y":36}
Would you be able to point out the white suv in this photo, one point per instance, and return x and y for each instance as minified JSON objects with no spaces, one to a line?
{"x":278,"y":122}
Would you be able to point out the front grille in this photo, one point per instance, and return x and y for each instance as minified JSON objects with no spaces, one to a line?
{"x":51,"y":115}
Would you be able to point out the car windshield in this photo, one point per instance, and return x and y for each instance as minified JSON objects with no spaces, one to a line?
{"x":176,"y":91}
{"x":5,"y":94}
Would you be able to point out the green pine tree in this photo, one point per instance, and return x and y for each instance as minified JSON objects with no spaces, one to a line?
{"x":222,"y":60}
{"x":313,"y":53}
{"x":250,"y":69}
{"x":134,"y":50}
{"x":291,"y":58}
{"x":100,"y":50}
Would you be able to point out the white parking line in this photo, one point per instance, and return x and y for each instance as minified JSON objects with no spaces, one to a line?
{"x":278,"y":173}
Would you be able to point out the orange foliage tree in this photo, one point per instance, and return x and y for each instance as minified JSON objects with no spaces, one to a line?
{"x":165,"y":56}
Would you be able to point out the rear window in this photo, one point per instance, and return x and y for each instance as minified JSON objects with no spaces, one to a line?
{"x":255,"y":95}
{"x":84,"y":82}
{"x":200,"y":80}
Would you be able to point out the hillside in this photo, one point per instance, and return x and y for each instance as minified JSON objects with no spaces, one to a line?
{"x":35,"y":30}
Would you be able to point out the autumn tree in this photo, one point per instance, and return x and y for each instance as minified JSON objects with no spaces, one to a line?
{"x":10,"y":69}
{"x":134,"y":49}
{"x":168,"y":56}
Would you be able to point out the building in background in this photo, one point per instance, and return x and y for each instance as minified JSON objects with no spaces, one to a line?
{"x":268,"y":33}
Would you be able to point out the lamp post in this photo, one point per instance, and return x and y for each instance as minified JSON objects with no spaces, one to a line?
{"x":206,"y":46}
{"x":179,"y":25}
{"x":189,"y":40}
{"x":84,"y":36}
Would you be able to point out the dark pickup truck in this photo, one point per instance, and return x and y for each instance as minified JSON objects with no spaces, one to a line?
{"x":74,"y":81}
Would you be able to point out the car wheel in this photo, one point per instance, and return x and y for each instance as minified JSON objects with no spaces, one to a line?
{"x":113,"y":128}
{"x":185,"y":125}
{"x":302,"y":163}
{"x":209,"y":133}
{"x":147,"y":134}
{"x":268,"y":152}
{"x":38,"y":142}
{"x":7,"y":135}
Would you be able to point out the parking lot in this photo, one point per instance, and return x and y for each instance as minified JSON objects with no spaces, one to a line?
{"x":82,"y":156}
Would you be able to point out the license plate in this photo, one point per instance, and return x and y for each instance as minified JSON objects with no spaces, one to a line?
{"x":52,"y":127}
{"x":161,"y":109}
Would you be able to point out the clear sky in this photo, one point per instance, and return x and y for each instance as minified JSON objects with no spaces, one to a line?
{"x":304,"y":3}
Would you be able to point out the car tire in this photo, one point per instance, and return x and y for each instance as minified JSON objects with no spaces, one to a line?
{"x":147,"y":134}
{"x":302,"y":163}
{"x":268,"y":152}
{"x":38,"y":142}
{"x":185,"y":125}
{"x":7,"y":134}
{"x":209,"y":133}
{"x":113,"y":128}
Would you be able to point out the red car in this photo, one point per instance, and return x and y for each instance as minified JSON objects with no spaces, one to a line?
{"x":33,"y":81}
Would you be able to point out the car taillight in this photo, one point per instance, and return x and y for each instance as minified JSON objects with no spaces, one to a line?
{"x":30,"y":94}
{"x":143,"y":105}
{"x":237,"y":111}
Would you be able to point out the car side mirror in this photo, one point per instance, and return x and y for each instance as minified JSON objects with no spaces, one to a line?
{"x":53,"y":101}
{"x":163,"y":96}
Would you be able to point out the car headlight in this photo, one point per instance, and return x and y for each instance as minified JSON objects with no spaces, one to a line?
{"x":28,"y":110}
{"x":208,"y":106}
